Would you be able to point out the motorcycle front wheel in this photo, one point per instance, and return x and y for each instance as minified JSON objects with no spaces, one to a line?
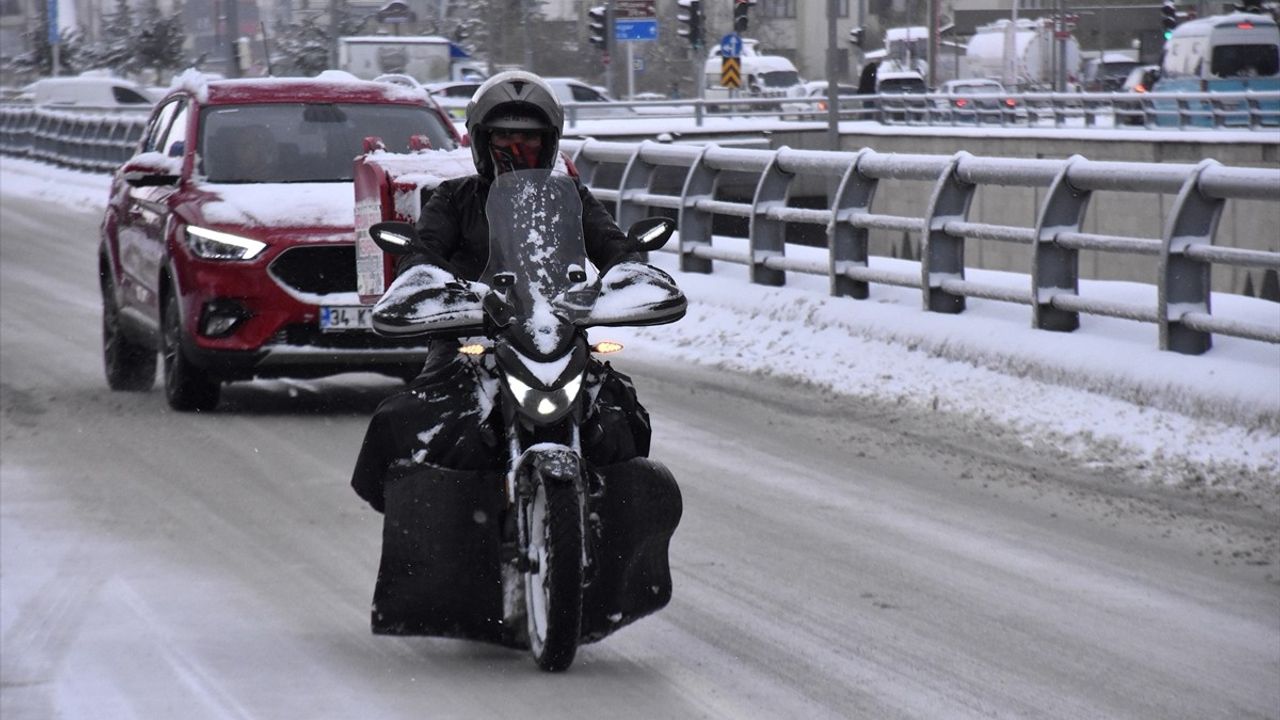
{"x":553,"y":584}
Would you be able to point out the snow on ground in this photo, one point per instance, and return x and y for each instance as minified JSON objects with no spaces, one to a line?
{"x":1104,"y":395}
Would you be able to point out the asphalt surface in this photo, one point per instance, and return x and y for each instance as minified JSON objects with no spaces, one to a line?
{"x":835,"y":560}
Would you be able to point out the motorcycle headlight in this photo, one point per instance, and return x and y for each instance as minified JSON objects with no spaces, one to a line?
{"x":218,"y":245}
{"x":544,"y":403}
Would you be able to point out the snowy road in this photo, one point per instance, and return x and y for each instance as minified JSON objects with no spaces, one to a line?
{"x":834,"y":561}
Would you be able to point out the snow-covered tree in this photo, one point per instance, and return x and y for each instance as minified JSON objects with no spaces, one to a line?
{"x":300,"y":48}
{"x":159,"y":39}
{"x":116,"y":50}
{"x":39,"y":59}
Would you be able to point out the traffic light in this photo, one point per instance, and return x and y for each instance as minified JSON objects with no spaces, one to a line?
{"x":740,"y":8}
{"x":598,"y":27}
{"x":857,"y":35}
{"x":1168,"y":18}
{"x":690,"y":16}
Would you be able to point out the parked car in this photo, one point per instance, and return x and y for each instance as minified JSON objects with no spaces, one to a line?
{"x":977,"y":100}
{"x":228,"y":241}
{"x":814,"y":103}
{"x":1140,"y":81}
{"x":891,"y":84}
{"x":1107,"y":73}
{"x":453,"y":97}
{"x":598,"y":104}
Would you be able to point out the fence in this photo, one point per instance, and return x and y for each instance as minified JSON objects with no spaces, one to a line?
{"x":1244,"y":110}
{"x":1185,"y":254}
{"x":78,"y":139}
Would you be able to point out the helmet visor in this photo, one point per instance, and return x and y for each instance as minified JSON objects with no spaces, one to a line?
{"x":517,"y":121}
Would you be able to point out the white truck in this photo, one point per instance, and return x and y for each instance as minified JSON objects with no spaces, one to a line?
{"x":1020,"y":54}
{"x":763,"y":76}
{"x":427,"y":59}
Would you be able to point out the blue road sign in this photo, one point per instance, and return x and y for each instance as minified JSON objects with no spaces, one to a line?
{"x":635,"y":29}
{"x":53,"y":22}
{"x":731,"y":45}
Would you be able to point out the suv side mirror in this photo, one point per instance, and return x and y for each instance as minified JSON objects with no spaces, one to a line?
{"x":151,"y":169}
{"x":650,"y":234}
{"x":395,"y":238}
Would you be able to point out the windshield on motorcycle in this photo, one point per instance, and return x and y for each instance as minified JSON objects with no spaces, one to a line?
{"x":537,"y":257}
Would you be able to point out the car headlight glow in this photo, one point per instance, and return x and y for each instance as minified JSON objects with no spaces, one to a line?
{"x":218,"y":245}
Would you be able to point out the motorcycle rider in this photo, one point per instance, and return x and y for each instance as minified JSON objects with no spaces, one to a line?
{"x":433,"y":460}
{"x":515,"y":122}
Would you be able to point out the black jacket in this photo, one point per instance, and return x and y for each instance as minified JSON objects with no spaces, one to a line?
{"x":453,"y":232}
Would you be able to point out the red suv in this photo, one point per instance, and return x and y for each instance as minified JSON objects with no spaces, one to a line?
{"x":228,"y":242}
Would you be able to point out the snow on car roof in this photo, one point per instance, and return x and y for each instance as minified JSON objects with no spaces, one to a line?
{"x":329,"y":85}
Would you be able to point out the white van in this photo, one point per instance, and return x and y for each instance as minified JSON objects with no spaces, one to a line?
{"x":91,"y":92}
{"x":763,"y":76}
{"x":1237,"y":46}
{"x":1222,"y":53}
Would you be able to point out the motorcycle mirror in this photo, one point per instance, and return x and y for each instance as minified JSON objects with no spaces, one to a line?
{"x":650,"y":234}
{"x":395,"y":238}
{"x":498,"y":310}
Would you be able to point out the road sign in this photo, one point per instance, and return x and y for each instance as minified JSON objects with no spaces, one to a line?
{"x":637,"y":64}
{"x":631,"y":30}
{"x":731,"y":73}
{"x":634,"y":9}
{"x":731,"y":45}
{"x":53,"y":22}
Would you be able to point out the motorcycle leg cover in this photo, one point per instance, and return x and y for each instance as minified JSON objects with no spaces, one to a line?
{"x":638,"y":512}
{"x":441,"y":544}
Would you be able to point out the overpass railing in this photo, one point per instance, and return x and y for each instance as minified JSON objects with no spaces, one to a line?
{"x":1243,"y":110}
{"x":1184,"y":255}
{"x":86,"y":140}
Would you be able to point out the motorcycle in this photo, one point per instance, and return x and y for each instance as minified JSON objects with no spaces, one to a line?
{"x":568,"y":552}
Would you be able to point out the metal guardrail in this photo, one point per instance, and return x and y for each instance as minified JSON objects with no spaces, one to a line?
{"x":1184,"y":255}
{"x":1247,"y":110}
{"x":86,"y":140}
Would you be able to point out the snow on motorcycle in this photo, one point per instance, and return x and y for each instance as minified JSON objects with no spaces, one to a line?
{"x":554,"y":552}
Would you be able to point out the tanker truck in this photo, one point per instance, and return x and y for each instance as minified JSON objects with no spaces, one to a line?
{"x":1030,"y":64}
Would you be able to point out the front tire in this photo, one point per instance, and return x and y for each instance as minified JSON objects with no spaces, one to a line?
{"x":130,"y":366}
{"x":186,"y":386}
{"x":553,"y":585}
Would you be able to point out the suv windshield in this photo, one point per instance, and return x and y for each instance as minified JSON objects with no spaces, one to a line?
{"x":297,"y":142}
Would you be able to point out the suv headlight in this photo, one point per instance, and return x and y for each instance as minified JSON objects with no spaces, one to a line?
{"x":218,"y":245}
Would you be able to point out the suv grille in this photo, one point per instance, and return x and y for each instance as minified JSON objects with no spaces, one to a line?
{"x":317,"y":269}
{"x":310,"y":336}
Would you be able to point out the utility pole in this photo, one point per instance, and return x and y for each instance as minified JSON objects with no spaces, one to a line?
{"x":233,"y":37}
{"x":333,"y":31}
{"x":528,"y":43}
{"x":932,"y":79}
{"x":833,"y":72}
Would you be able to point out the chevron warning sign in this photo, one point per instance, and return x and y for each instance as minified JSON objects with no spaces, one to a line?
{"x":731,"y":72}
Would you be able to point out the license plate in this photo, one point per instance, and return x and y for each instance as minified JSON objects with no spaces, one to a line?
{"x":344,"y":318}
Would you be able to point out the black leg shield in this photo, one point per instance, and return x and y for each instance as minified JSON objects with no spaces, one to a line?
{"x":440,"y":555}
{"x":638,"y":513}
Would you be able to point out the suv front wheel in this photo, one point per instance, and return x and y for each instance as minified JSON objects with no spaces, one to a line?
{"x":186,"y":386}
{"x":130,"y":366}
